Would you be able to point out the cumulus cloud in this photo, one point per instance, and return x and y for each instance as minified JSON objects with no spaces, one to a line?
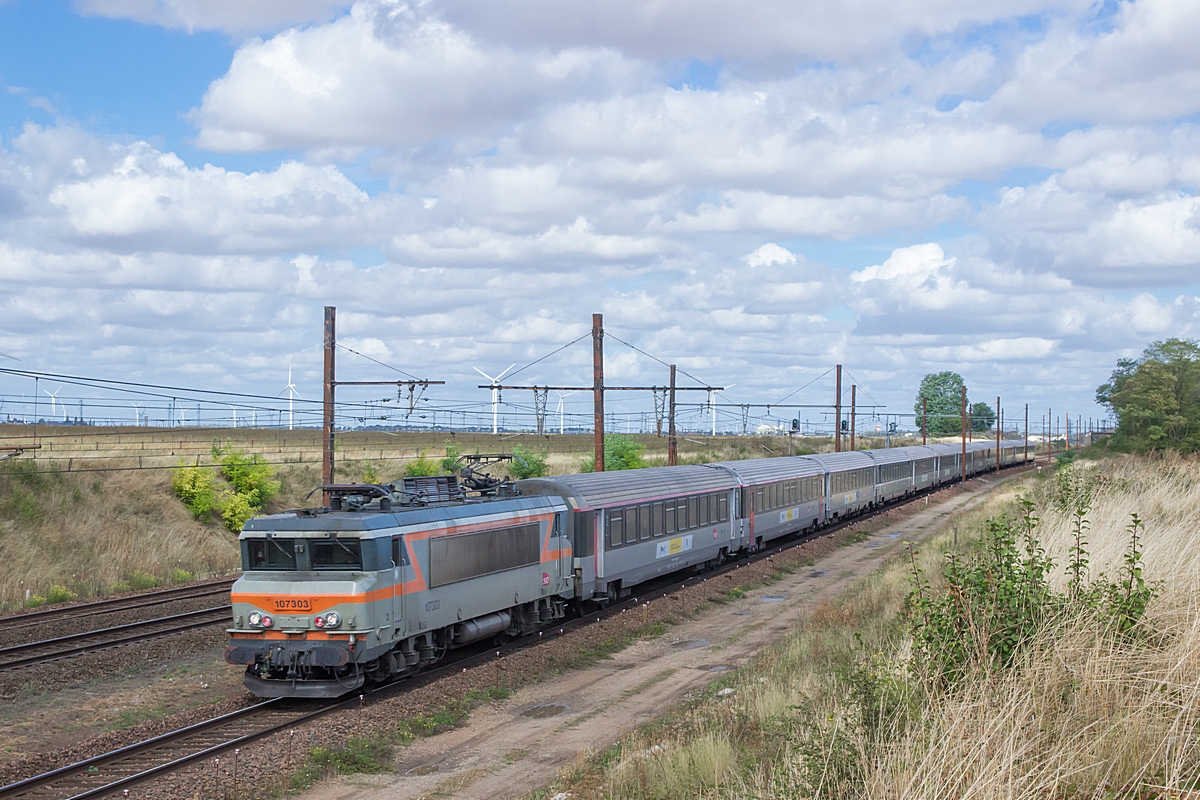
{"x":387,"y":75}
{"x":232,"y":16}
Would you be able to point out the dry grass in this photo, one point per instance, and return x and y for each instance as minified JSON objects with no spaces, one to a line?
{"x":832,"y":711}
{"x":92,"y":532}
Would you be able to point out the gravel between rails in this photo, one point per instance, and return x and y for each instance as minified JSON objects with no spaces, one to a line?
{"x":76,"y":670}
{"x":266,"y":766}
{"x":66,"y":626}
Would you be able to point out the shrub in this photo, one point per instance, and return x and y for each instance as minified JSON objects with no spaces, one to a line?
{"x":140,"y":581}
{"x":453,"y":451}
{"x":620,"y":452}
{"x":60,"y":594}
{"x":236,"y":509}
{"x":251,"y":476}
{"x":528,"y":464}
{"x":369,"y":475}
{"x":182,"y":576}
{"x":998,"y":599}
{"x":422,"y":467}
{"x":195,"y":487}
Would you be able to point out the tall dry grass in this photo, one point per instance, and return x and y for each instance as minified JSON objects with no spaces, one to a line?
{"x":93,"y":533}
{"x":834,"y":711}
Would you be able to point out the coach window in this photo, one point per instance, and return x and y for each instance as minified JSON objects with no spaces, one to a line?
{"x":669,"y":517}
{"x":705,"y":516}
{"x":644,"y":522}
{"x":616,"y":530}
{"x":693,"y":504}
{"x":759,"y":505}
{"x":723,"y":507}
{"x":631,"y":524}
{"x":656,"y":520}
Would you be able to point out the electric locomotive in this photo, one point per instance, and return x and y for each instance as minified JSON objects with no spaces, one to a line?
{"x":386,"y":579}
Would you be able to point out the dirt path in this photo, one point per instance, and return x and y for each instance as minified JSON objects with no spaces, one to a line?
{"x":511,"y":749}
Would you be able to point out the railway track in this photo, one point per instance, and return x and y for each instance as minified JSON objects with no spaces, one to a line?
{"x":110,"y":773}
{"x":78,"y":644}
{"x":114,"y":604}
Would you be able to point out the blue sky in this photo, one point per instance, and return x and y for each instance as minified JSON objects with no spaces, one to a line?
{"x":1008,"y":192}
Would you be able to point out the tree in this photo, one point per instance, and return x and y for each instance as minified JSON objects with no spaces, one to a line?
{"x":1156,"y":398}
{"x":982,"y":417}
{"x":943,"y":394}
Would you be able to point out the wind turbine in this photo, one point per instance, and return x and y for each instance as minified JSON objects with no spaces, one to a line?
{"x":54,"y":401}
{"x":712,"y":404}
{"x":137,"y":414}
{"x":495,"y":394}
{"x":6,"y":355}
{"x":234,"y":416}
{"x":292,"y":393}
{"x":562,"y":396}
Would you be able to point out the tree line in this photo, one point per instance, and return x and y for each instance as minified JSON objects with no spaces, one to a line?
{"x":1156,"y":398}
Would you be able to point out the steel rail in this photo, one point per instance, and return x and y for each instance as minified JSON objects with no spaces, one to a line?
{"x":114,"y":604}
{"x":665,"y":585}
{"x":113,"y":637}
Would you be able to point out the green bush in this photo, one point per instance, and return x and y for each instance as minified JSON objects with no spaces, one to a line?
{"x":999,"y":597}
{"x":182,"y":576}
{"x":195,"y":487}
{"x":250,"y":476}
{"x":60,"y":594}
{"x":369,"y":475}
{"x":236,"y":510}
{"x":140,"y":581}
{"x":422,"y":467}
{"x":528,"y":464}
{"x":453,"y":451}
{"x":620,"y":452}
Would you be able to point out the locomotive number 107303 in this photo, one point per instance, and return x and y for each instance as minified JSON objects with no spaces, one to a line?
{"x":293,"y":604}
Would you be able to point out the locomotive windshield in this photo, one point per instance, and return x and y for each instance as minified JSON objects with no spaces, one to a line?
{"x":271,"y":554}
{"x":335,"y":554}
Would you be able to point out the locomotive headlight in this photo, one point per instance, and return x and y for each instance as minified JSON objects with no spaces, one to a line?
{"x":255,"y":619}
{"x":267,"y":621}
{"x":333,"y":619}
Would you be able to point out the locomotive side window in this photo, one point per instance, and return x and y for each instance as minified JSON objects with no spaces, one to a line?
{"x":335,"y":554}
{"x":644,"y":522}
{"x":399,"y":552}
{"x":271,"y":554}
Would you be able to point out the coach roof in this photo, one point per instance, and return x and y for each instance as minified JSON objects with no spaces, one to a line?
{"x":765,"y":470}
{"x":599,"y":489}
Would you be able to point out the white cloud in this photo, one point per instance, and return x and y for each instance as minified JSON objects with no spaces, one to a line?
{"x":232,"y":16}
{"x":380,"y":76}
{"x":770,"y":253}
